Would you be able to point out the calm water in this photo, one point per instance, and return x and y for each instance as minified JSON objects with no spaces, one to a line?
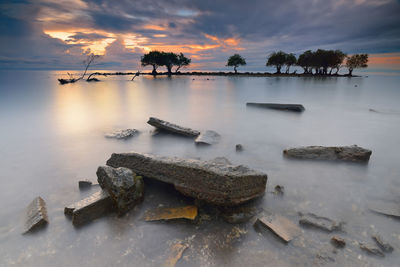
{"x":52,"y":136}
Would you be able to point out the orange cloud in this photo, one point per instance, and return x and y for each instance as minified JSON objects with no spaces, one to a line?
{"x":154,"y":27}
{"x":385,"y":59}
{"x":226,"y":44}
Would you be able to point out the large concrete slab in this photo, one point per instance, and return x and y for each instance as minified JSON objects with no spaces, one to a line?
{"x":172,"y":128}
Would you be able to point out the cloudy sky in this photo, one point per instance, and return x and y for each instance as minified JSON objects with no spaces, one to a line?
{"x":56,"y":34}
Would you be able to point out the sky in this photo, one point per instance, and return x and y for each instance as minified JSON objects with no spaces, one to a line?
{"x":58,"y":34}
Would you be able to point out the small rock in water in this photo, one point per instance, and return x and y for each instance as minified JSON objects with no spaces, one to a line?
{"x":187,"y":212}
{"x":124,"y":186}
{"x":36,"y":215}
{"x":287,"y":107}
{"x":239,"y":147}
{"x":281,"y":226}
{"x":122,"y":134}
{"x":84,"y":184}
{"x":338,"y":242}
{"x":372,"y":249}
{"x":279,"y":190}
{"x":172,"y":128}
{"x":385,"y":246}
{"x":207,"y":138}
{"x":322,"y":223}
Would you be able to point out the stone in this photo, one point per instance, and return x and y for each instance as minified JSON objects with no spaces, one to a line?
{"x":281,"y":226}
{"x":287,"y":107}
{"x":90,"y":208}
{"x":220,"y":161}
{"x":344,"y":153}
{"x":84,"y":184}
{"x":176,"y":253}
{"x":239,"y":147}
{"x":338,"y":241}
{"x":157,"y":214}
{"x":36,"y":215}
{"x":124,"y":186}
{"x":122,"y":134}
{"x":219,"y":184}
{"x":372,"y":249}
{"x":322,"y":223}
{"x":386,"y":208}
{"x":207,"y":138}
{"x":239,"y":214}
{"x":279,"y":190}
{"x":385,"y":246}
{"x":173,"y":128}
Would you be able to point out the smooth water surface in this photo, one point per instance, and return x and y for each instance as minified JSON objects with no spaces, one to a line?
{"x":53,"y":135}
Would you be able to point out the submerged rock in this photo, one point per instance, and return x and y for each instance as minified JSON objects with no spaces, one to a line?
{"x":280,"y":226}
{"x":239,"y":147}
{"x":173,"y":128}
{"x":343,"y":153}
{"x":36,"y":215}
{"x":124,"y":186}
{"x":89,"y":208}
{"x":372,"y":249}
{"x":220,"y":184}
{"x":187,"y":212}
{"x":84,"y":184}
{"x":386,"y":208}
{"x":288,"y":107}
{"x":122,"y":134}
{"x":279,"y":190}
{"x":207,"y":138}
{"x":338,"y":242}
{"x":322,"y":223}
{"x":385,"y":246}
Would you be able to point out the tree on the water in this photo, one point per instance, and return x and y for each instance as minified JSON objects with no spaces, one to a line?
{"x":235,"y":61}
{"x":182,"y":62}
{"x":305,"y":61}
{"x":152,"y":58}
{"x":168,"y":59}
{"x":277,"y":59}
{"x":290,"y":61}
{"x":356,"y":61}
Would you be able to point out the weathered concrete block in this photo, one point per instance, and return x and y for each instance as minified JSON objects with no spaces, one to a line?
{"x":36,"y":215}
{"x":207,"y":138}
{"x":173,"y":128}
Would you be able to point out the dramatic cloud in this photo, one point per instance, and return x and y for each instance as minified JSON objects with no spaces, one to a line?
{"x":58,"y":33}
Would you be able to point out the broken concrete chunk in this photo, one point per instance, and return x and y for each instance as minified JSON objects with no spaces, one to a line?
{"x":287,"y":107}
{"x":122,"y":134}
{"x":322,"y":223}
{"x":188,"y":212}
{"x":372,"y":249}
{"x":343,"y":153}
{"x":90,"y":208}
{"x":281,"y":226}
{"x":176,"y":253}
{"x":207,"y":138}
{"x":173,"y":128}
{"x":36,"y":215}
{"x":338,"y":242}
{"x":220,"y":184}
{"x":84,"y":184}
{"x":386,"y":208}
{"x":385,"y":246}
{"x":124,"y":186}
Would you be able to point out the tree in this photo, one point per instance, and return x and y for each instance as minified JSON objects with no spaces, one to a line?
{"x":336,"y":61}
{"x":277,"y":59}
{"x":305,"y":61}
{"x":290,"y":61}
{"x":91,"y":58}
{"x":356,"y":61}
{"x":235,"y":61}
{"x":182,"y":62}
{"x":169,"y":59}
{"x":152,"y":58}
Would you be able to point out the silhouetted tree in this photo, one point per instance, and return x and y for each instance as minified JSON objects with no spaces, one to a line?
{"x":169,"y":59}
{"x":277,"y":59}
{"x":356,"y":61}
{"x":290,"y":61}
{"x":182,"y":62}
{"x":336,"y":61}
{"x":305,"y":61}
{"x":235,"y":61}
{"x":91,"y":58}
{"x":153,"y":58}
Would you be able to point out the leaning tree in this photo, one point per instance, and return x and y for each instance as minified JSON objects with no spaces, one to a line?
{"x":291,"y":60}
{"x":153,"y":58}
{"x":356,"y":61}
{"x":235,"y":61}
{"x":182,"y":62}
{"x":277,"y":59}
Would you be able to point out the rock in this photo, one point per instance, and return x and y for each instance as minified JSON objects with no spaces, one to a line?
{"x":220,"y":161}
{"x":344,"y":153}
{"x":239,"y":147}
{"x":173,"y":128}
{"x":176,"y":253}
{"x":238,"y":214}
{"x":386,"y":208}
{"x":219,"y":184}
{"x":338,"y":242}
{"x":84,"y":184}
{"x":188,"y":212}
{"x":36,"y":215}
{"x":281,"y":226}
{"x":207,"y":138}
{"x":288,"y":107}
{"x":385,"y":246}
{"x":122,"y":134}
{"x":279,"y":190}
{"x":372,"y":249}
{"x":124,"y":186}
{"x":322,"y":223}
